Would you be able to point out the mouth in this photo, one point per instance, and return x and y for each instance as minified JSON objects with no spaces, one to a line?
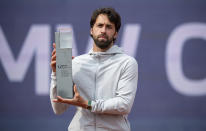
{"x":102,"y":37}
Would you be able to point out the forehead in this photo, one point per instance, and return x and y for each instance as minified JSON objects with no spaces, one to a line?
{"x":103,"y":19}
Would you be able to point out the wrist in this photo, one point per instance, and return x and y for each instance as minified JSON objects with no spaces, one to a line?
{"x":84,"y":104}
{"x":53,"y":73}
{"x":89,"y":107}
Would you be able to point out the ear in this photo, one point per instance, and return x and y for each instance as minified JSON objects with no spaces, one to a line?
{"x":115,"y":35}
{"x":91,"y":31}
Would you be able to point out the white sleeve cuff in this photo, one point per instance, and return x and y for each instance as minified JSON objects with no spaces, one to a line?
{"x":53,"y":75}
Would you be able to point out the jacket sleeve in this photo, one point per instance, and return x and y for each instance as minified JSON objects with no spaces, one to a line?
{"x":58,"y":108}
{"x":125,"y":93}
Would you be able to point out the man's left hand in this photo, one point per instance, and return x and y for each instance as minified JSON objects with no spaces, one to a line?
{"x":76,"y":101}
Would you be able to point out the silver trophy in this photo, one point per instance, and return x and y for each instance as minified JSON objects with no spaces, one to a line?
{"x":63,"y":40}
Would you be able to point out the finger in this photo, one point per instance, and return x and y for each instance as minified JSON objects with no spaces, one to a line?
{"x":55,"y":100}
{"x":59,"y":98}
{"x":54,"y":45}
{"x":53,"y":63}
{"x":53,"y":57}
{"x":62,"y":100}
{"x":67,"y":101}
{"x":76,"y":93}
{"x":72,"y":57}
{"x":75,"y":89}
{"x":54,"y":52}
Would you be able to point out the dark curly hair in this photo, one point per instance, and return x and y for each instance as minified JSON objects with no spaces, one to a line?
{"x":112,"y":15}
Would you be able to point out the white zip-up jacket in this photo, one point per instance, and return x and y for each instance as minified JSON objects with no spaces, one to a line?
{"x":109,"y":80}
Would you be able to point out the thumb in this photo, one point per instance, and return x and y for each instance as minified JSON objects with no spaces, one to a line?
{"x":75,"y":89}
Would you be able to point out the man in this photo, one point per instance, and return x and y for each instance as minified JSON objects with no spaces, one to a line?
{"x":105,"y":80}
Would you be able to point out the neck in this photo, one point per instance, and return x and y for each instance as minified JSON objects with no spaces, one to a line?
{"x":97,"y":49}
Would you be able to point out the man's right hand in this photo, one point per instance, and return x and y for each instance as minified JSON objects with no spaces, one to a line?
{"x":53,"y":58}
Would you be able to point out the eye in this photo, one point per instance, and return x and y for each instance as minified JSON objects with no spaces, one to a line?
{"x":109,"y":26}
{"x":99,"y":25}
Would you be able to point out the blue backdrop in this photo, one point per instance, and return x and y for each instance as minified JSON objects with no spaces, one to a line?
{"x":167,"y":38}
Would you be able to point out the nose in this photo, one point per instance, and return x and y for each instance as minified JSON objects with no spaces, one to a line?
{"x":103,"y":29}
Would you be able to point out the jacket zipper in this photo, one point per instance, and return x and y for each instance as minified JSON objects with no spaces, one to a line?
{"x":95,"y":89}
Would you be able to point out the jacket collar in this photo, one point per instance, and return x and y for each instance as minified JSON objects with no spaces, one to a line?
{"x":111,"y":51}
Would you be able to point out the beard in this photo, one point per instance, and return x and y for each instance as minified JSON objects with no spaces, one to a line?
{"x":103,"y":44}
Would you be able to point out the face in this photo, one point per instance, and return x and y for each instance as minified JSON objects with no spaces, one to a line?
{"x":103,"y":32}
